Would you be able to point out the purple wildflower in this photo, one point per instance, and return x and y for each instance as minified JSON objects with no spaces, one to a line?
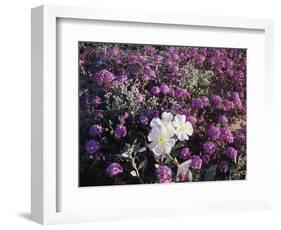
{"x":205,"y":159}
{"x":96,"y":101}
{"x":164,"y":174}
{"x":240,"y":136}
{"x":144,"y":119}
{"x":174,"y":69}
{"x":95,"y":130}
{"x":229,"y":63}
{"x":214,"y":132}
{"x":175,"y":57}
{"x":226,"y":135}
{"x":154,"y":113}
{"x":165,"y":89}
{"x":216,"y":101}
{"x":223,"y":119}
{"x":149,"y":50}
{"x":209,"y":147}
{"x":199,"y":59}
{"x":121,"y":78}
{"x":236,"y":98}
{"x":205,"y":101}
{"x":149,"y":73}
{"x":228,"y":105}
{"x":196,"y":162}
{"x":123,"y":117}
{"x":238,"y":75}
{"x":133,"y":59}
{"x":120,"y":131}
{"x":155,"y":90}
{"x":99,"y":115}
{"x":223,"y":166}
{"x":92,"y":147}
{"x":217,"y":53}
{"x":104,"y":78}
{"x":192,"y":119}
{"x":185,"y":153}
{"x":197,"y":103}
{"x":139,"y":98}
{"x":181,"y":93}
{"x":231,"y":153}
{"x":220,"y":64}
{"x":184,"y":111}
{"x":114,"y":169}
{"x":202,"y":51}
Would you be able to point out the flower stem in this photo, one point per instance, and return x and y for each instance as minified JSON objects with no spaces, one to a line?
{"x":136,"y":169}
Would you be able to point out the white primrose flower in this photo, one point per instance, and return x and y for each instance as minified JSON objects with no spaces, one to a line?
{"x":165,"y":121}
{"x":163,"y":131}
{"x":182,"y":128}
{"x":161,"y":140}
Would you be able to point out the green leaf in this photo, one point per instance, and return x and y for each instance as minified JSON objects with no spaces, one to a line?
{"x":168,"y":160}
{"x":125,"y":155}
{"x":142,"y":164}
{"x":180,"y":144}
{"x":232,"y":171}
{"x":140,"y":150}
{"x":175,"y":153}
{"x":210,"y":173}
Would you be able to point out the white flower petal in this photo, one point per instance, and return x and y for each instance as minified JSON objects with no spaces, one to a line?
{"x":189,"y":128}
{"x":176,"y":123}
{"x":180,"y":118}
{"x":156,"y":122}
{"x":170,"y":133}
{"x":182,"y":136}
{"x":166,"y":116}
{"x":163,"y":131}
{"x":171,"y":142}
{"x":168,"y":148}
{"x":158,"y":150}
{"x":153,"y":134}
{"x":183,"y":168}
{"x":152,"y":145}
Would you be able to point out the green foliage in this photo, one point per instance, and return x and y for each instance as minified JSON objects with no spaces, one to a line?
{"x":210,"y":173}
{"x":198,"y":81}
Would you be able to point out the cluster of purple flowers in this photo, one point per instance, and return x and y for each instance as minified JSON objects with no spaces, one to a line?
{"x":120,"y":131}
{"x":92,"y":147}
{"x":95,"y":130}
{"x":209,"y":147}
{"x":164,"y":174}
{"x":124,"y":86}
{"x":114,"y":169}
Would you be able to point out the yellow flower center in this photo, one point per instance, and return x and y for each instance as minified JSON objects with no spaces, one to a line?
{"x":162,"y":140}
{"x":182,"y":128}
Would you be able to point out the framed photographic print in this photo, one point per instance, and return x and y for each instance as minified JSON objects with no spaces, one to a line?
{"x":150,"y":113}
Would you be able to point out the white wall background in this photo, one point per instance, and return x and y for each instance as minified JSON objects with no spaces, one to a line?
{"x":15,"y":112}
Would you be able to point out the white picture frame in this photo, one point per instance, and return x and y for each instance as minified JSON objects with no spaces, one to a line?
{"x":45,"y":182}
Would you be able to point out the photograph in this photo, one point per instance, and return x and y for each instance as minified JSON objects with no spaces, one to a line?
{"x":151,"y":114}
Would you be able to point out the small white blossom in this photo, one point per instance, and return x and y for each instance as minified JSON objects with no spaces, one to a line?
{"x":182,"y":128}
{"x":164,"y":130}
{"x":161,"y":140}
{"x":165,"y":121}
